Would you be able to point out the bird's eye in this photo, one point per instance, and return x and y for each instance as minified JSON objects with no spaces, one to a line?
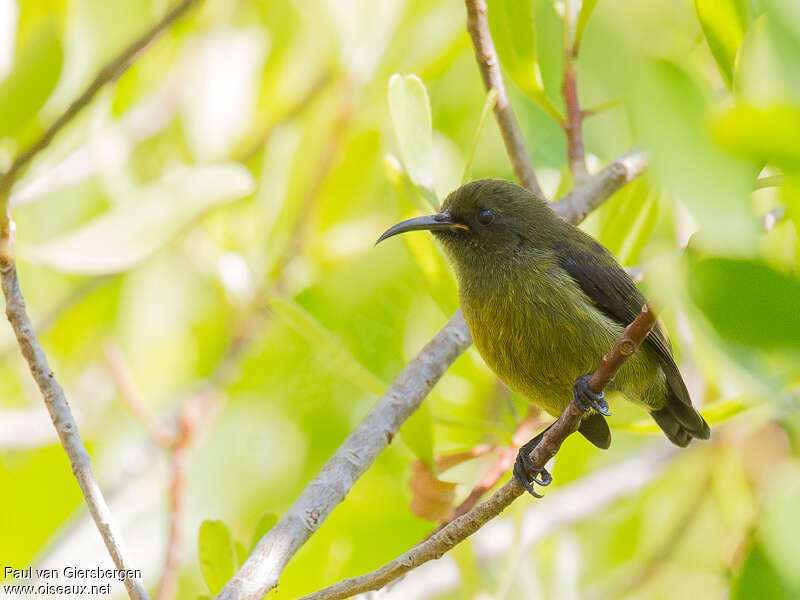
{"x":486,"y":216}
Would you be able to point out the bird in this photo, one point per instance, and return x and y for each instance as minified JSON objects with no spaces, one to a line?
{"x":544,"y":301}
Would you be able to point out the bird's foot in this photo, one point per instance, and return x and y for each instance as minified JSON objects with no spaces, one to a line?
{"x":587,"y":399}
{"x":528,"y":473}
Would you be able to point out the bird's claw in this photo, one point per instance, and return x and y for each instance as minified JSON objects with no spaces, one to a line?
{"x":528,"y":473}
{"x":587,"y":399}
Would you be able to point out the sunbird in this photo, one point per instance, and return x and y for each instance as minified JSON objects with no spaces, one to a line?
{"x":544,"y":302}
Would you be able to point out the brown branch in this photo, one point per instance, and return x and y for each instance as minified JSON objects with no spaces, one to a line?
{"x":489,"y":65}
{"x":108,"y":73}
{"x":129,"y":391}
{"x":573,"y":124}
{"x":461,"y":528}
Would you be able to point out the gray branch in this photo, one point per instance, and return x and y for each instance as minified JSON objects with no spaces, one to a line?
{"x":262,"y":569}
{"x":597,"y":188}
{"x":56,"y":402}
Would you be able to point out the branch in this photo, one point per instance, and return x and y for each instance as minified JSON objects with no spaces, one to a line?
{"x":597,"y":188}
{"x":489,"y":65}
{"x":573,"y":124}
{"x":260,"y":572}
{"x":64,"y":422}
{"x":52,"y":392}
{"x":461,"y":528}
{"x":108,"y":73}
{"x":560,"y":508}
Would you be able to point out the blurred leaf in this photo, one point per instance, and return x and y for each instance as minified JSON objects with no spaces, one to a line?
{"x":417,"y":433}
{"x":488,"y":106}
{"x":724,"y":23}
{"x":759,"y":580}
{"x":431,"y":498}
{"x":671,"y":109}
{"x":28,"y":86}
{"x":215,"y":551}
{"x":760,"y":133}
{"x":220,"y":96}
{"x":265,"y":523}
{"x":514,"y":36}
{"x":427,"y":255}
{"x":332,"y":351}
{"x":583,"y":19}
{"x":747,"y":302}
{"x":411,"y":115}
{"x":780,"y":524}
{"x":714,"y":414}
{"x":768,"y":64}
{"x":241,"y":553}
{"x":128,"y":233}
{"x":632,"y":216}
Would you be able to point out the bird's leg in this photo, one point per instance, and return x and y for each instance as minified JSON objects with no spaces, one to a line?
{"x":526,"y":472}
{"x":587,"y":399}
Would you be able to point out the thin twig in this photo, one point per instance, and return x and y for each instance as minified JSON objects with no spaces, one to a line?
{"x":129,"y":391}
{"x":489,"y":65}
{"x":56,"y":402}
{"x":573,"y":124}
{"x":108,"y":73}
{"x":461,"y":528}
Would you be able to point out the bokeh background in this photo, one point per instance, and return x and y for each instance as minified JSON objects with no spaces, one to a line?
{"x":199,"y":242}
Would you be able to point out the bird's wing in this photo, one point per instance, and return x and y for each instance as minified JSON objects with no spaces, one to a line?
{"x":601,"y":278}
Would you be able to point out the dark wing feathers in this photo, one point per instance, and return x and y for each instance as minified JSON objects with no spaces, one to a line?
{"x":612,"y":290}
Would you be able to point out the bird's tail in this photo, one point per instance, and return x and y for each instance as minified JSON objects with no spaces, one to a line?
{"x":681,"y":422}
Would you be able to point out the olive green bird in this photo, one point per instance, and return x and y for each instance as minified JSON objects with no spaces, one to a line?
{"x":544,"y":301}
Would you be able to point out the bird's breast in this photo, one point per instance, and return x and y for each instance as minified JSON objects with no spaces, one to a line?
{"x":535,"y":328}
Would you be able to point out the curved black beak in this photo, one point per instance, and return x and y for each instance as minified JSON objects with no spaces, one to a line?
{"x":428,"y":222}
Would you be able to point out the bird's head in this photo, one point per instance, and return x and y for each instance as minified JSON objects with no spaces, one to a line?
{"x":484,"y":218}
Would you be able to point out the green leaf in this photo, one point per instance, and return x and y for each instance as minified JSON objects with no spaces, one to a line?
{"x":215,"y":551}
{"x":747,"y":302}
{"x":714,"y":414}
{"x":512,"y":27}
{"x":265,"y":523}
{"x":631,"y":218}
{"x":417,"y":433}
{"x":411,"y":116}
{"x":760,"y":133}
{"x":724,"y":23}
{"x":140,"y":225}
{"x":488,"y":106}
{"x":27,"y":88}
{"x":759,"y":580}
{"x":714,"y":185}
{"x":583,"y":19}
{"x":336,"y":356}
